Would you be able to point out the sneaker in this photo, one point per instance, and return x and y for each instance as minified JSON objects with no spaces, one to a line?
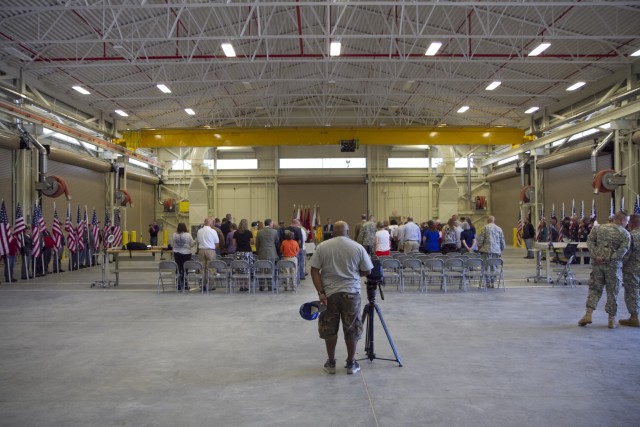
{"x":352,"y":367}
{"x":330,"y":366}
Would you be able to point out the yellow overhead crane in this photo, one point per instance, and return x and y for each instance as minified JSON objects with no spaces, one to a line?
{"x":263,"y":137}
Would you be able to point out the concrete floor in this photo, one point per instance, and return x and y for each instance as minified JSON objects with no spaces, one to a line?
{"x":76,"y":356}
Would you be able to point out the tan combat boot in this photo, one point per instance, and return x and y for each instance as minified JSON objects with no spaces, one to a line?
{"x":631,"y":321}
{"x":612,"y":322}
{"x":586,"y":319}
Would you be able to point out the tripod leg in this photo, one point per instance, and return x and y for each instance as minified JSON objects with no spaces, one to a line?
{"x":386,"y":331}
{"x":367,"y":321}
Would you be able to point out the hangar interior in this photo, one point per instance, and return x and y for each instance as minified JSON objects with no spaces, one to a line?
{"x":391,"y":108}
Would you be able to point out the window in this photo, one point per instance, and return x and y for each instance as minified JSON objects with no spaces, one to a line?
{"x":508,"y":160}
{"x":181,"y":165}
{"x":461,"y":162}
{"x":408,"y":162}
{"x":139,"y":163}
{"x":324,"y":163}
{"x":236,"y":164}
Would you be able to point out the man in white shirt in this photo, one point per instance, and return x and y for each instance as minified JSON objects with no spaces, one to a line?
{"x":410,"y":236}
{"x":208,"y":242}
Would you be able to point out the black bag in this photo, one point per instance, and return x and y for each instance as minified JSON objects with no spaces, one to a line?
{"x":137,"y":246}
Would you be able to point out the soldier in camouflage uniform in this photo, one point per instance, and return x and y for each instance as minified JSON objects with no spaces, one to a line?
{"x":631,"y":274}
{"x":608,"y":243}
{"x":491,"y":242}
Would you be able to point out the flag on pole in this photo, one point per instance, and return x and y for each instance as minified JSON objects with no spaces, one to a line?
{"x":95,"y":230}
{"x":42,"y":226}
{"x":79,"y":231}
{"x":553,"y":209}
{"x":71,"y":232}
{"x":573,"y":207}
{"x":636,"y":208}
{"x":117,"y":232}
{"x":106,"y":228}
{"x":593,"y":208}
{"x":612,"y":211}
{"x":582,"y":209}
{"x":19,"y":228}
{"x":5,"y":232}
{"x":56,"y":230}
{"x":542,"y":211}
{"x":35,"y":232}
{"x":562,"y":212}
{"x":622,"y":204}
{"x":519,"y":229}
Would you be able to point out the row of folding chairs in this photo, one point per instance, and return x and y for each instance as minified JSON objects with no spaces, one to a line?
{"x":234,"y":275}
{"x":422,"y":272}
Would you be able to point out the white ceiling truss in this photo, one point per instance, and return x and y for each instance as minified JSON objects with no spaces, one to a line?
{"x":283,"y":74}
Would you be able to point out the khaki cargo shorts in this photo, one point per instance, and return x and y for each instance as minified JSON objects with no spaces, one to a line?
{"x":345,"y":306}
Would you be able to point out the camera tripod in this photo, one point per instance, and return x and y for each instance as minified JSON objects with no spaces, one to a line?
{"x":367,"y":318}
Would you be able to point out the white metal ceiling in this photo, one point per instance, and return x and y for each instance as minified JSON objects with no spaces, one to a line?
{"x":283,"y":75}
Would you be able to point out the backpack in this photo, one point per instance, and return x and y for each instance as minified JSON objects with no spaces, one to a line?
{"x":137,"y":246}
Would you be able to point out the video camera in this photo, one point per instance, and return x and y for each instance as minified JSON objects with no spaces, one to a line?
{"x":375,"y":279}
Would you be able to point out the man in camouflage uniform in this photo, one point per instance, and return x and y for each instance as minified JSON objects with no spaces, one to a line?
{"x":491,"y":242}
{"x":631,"y":274}
{"x":367,"y":234}
{"x":608,"y":243}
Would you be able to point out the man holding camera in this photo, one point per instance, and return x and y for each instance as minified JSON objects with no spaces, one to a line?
{"x":336,"y":268}
{"x":154,"y":229}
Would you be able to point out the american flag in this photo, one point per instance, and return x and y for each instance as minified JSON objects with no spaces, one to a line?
{"x":117,"y":232}
{"x":42,"y":227}
{"x":593,"y":208}
{"x":71,"y":232}
{"x":519,"y":229}
{"x":582,"y":209}
{"x":106,"y":228}
{"x":562,"y":212}
{"x":5,"y":232}
{"x":56,"y":231}
{"x":95,"y":230}
{"x":80,"y":230}
{"x":19,"y":227}
{"x":35,"y":232}
{"x":573,"y":207}
{"x":636,"y":208}
{"x":553,"y":210}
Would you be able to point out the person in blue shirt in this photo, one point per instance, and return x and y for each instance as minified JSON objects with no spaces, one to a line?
{"x":431,"y":238}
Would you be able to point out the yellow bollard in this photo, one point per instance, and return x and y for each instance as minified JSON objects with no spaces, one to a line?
{"x":165,"y":238}
{"x":133,"y":236}
{"x":125,"y":237}
{"x":515,"y":238}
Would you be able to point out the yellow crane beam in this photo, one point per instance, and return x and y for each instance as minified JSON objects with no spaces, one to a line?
{"x":263,"y":137}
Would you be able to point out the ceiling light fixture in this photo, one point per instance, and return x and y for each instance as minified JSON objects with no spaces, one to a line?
{"x":493,"y":85}
{"x":576,"y":86}
{"x":247,"y":85}
{"x":228,"y":50}
{"x":163,"y":88}
{"x":532,"y":110}
{"x":81,"y":90}
{"x":334,"y":48}
{"x":121,"y":113}
{"x":538,"y":50}
{"x":636,"y":53}
{"x":463,"y":109}
{"x":434,"y":47}
{"x":190,"y":112}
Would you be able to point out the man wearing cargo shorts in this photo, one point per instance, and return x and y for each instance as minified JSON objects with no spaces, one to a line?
{"x":336,"y":268}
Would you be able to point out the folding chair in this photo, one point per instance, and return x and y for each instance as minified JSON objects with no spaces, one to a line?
{"x":412,"y":271}
{"x":434,"y":269}
{"x":493,"y":272}
{"x":454,"y":270}
{"x":193,"y":275}
{"x":473,"y":270}
{"x":167,"y":274}
{"x":220,"y":277}
{"x":263,"y":270}
{"x":240,"y":275}
{"x":286,"y":274}
{"x":565,"y":274}
{"x":392,"y":271}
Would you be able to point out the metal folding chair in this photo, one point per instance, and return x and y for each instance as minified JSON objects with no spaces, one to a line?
{"x":167,"y":274}
{"x":220,"y":277}
{"x":565,"y":274}
{"x":263,"y":271}
{"x":286,"y":274}
{"x":454,"y":270}
{"x":474,"y":271}
{"x":392,"y":272}
{"x":433,"y":269}
{"x":493,"y":273}
{"x":240,"y":276}
{"x":412,"y":272}
{"x":193,"y":275}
